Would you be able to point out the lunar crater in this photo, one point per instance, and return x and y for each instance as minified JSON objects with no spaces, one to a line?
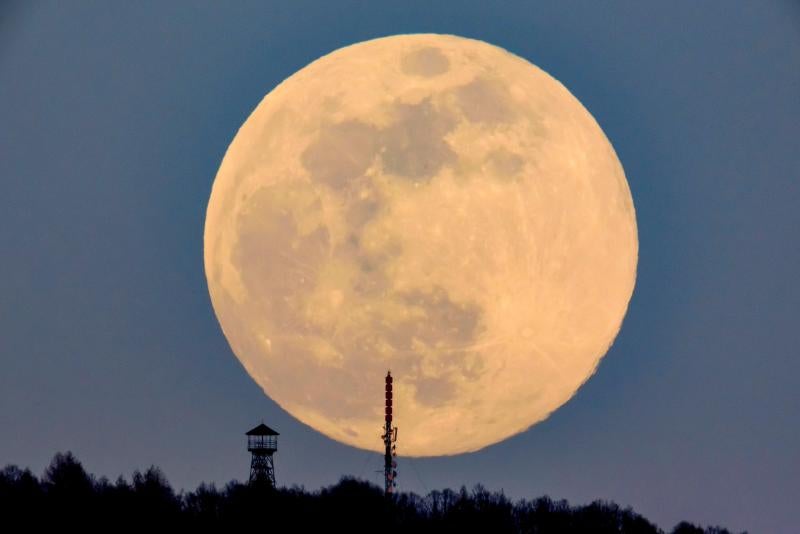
{"x":426,"y":62}
{"x":414,"y":145}
{"x":341,"y":153}
{"x":486,"y":100}
{"x":504,"y":164}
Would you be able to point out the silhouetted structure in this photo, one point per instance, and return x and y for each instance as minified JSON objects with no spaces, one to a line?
{"x":389,"y":440}
{"x":262,"y":442}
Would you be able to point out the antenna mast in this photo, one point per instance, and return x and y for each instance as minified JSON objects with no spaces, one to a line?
{"x":389,"y":439}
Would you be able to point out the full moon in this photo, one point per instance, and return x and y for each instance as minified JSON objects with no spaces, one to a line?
{"x":428,"y":204}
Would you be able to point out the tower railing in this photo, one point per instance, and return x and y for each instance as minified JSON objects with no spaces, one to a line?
{"x":260,"y":443}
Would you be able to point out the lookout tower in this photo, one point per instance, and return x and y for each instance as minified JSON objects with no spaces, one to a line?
{"x":262,"y":442}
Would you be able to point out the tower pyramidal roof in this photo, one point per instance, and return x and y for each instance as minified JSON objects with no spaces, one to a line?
{"x":261,"y":430}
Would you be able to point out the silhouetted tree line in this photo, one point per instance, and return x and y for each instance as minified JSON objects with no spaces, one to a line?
{"x":67,"y":496}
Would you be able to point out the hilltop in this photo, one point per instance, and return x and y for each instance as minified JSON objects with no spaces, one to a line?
{"x":66,"y":495}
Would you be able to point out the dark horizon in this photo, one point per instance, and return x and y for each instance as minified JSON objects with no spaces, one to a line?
{"x":69,"y":496}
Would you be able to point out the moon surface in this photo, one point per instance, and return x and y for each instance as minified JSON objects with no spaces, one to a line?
{"x":428,"y":204}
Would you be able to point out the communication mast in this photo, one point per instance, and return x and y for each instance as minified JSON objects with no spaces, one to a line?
{"x":262,"y":442}
{"x":390,"y":440}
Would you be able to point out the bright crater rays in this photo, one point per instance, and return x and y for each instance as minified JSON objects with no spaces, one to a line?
{"x":430,"y":204}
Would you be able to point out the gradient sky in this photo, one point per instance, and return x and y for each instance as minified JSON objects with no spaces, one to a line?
{"x":114,"y":118}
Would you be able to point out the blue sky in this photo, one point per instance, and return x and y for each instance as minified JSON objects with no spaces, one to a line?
{"x":114,"y":119}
